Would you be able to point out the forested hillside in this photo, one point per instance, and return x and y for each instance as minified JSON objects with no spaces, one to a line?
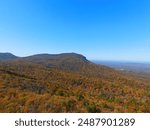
{"x":69,"y":83}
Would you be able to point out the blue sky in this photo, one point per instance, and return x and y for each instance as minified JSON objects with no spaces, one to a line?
{"x":98,"y":29}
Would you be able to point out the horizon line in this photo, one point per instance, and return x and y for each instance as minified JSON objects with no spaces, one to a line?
{"x":91,"y":59}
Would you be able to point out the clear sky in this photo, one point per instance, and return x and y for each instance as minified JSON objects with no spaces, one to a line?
{"x":98,"y":29}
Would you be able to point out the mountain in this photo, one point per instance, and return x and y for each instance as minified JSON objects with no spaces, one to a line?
{"x":69,"y":82}
{"x":7,"y":56}
{"x":63,"y":56}
{"x":73,"y":62}
{"x":66,"y":61}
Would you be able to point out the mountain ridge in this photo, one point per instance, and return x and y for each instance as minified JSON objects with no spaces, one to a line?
{"x":7,"y":56}
{"x":65,"y":61}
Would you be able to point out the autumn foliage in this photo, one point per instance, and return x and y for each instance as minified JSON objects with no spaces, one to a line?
{"x":30,"y":87}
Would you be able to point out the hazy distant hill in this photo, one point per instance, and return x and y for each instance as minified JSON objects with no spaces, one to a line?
{"x":69,"y":83}
{"x":7,"y":56}
{"x":127,"y":66}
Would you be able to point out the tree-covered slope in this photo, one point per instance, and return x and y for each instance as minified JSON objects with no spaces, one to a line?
{"x":68,"y":83}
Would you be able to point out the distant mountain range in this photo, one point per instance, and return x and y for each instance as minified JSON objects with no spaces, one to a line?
{"x":10,"y":56}
{"x":127,"y":66}
{"x":44,"y":57}
{"x":73,"y":61}
{"x":65,"y":61}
